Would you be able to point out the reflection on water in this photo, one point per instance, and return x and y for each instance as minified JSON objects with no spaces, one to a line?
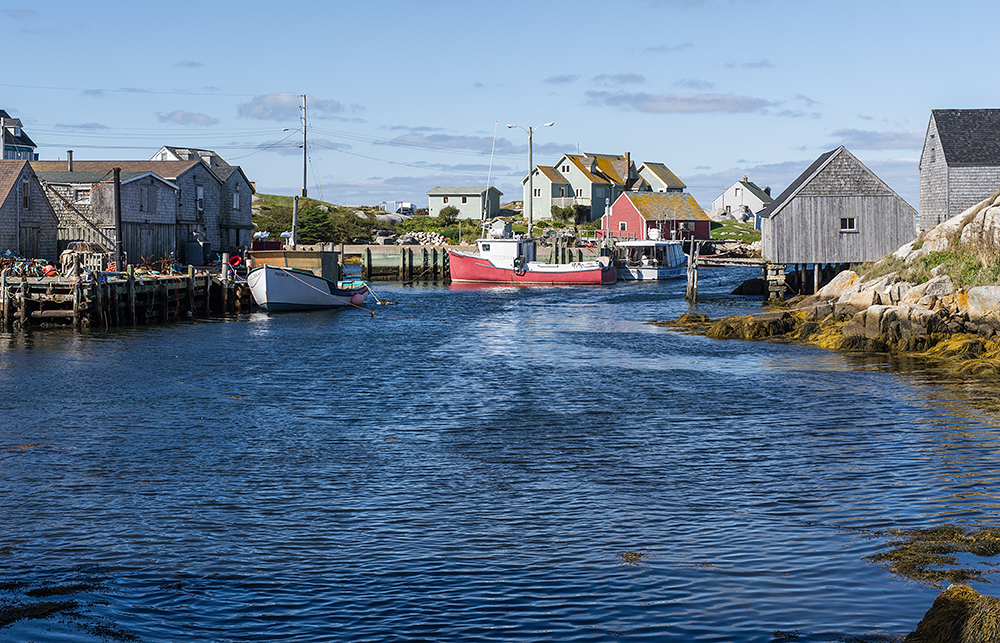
{"x":474,"y":464}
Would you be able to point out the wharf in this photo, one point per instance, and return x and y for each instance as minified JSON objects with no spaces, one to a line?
{"x":118,"y":299}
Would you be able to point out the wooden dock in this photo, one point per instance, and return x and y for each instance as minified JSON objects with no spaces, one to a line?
{"x":115,"y":299}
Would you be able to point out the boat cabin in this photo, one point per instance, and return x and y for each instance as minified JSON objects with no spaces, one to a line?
{"x":652,"y":253}
{"x":507,"y":253}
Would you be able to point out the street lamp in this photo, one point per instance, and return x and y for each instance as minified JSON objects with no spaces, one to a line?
{"x":531,"y":169}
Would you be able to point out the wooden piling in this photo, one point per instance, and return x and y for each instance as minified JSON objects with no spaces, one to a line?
{"x":190,"y":289}
{"x":691,"y":293}
{"x":225,"y":283}
{"x":131,"y":293}
{"x":4,"y":299}
{"x":23,"y":296}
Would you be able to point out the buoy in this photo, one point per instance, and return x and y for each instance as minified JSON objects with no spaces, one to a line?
{"x":235,"y":261}
{"x":357,"y":299}
{"x":49,"y":270}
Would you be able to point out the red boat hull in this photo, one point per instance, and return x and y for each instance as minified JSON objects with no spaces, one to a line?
{"x":468,"y":268}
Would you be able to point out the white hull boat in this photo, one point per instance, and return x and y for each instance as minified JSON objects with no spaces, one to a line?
{"x":651,"y":259}
{"x":278,"y":289}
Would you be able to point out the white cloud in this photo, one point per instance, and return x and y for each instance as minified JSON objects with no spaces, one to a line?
{"x":561,"y":79}
{"x":680,"y":103}
{"x":181,"y":117}
{"x":874,"y":140}
{"x":20,"y":14}
{"x":83,"y":126}
{"x":616,"y":80}
{"x":285,"y":106}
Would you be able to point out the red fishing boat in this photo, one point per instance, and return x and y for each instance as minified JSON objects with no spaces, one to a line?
{"x":512,"y":261}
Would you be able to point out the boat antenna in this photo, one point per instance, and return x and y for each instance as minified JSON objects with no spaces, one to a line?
{"x":489,"y":177}
{"x":489,"y":174}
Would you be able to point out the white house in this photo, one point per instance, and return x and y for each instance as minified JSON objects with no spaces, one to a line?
{"x":472,"y":202}
{"x":742,"y":200}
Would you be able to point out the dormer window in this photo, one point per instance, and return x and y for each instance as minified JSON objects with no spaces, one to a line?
{"x":17,"y":130}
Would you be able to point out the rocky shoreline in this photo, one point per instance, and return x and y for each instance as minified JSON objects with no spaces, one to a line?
{"x":890,"y":313}
{"x":882,"y":315}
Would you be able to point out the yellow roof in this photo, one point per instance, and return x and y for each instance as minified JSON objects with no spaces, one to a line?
{"x":663,"y":173}
{"x":606,"y":164}
{"x":552,"y":174}
{"x":666,"y":206}
{"x":578,"y":161}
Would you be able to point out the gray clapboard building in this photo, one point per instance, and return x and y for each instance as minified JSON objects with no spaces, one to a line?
{"x":960,"y":162}
{"x":835,"y":212}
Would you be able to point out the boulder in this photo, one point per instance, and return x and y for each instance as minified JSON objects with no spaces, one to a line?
{"x":983,"y":305}
{"x":926,"y":294}
{"x":959,"y":614}
{"x":845,"y":281}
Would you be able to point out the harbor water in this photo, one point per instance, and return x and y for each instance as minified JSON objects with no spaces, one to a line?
{"x":474,"y":464}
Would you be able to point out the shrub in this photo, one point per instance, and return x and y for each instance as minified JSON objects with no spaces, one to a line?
{"x":448,"y":215}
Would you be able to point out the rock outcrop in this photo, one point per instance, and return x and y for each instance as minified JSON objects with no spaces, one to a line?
{"x":959,"y":614}
{"x":887,"y":313}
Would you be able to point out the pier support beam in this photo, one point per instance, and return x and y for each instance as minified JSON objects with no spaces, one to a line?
{"x":775,"y":277}
{"x":691,"y":293}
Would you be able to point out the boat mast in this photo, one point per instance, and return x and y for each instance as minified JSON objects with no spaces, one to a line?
{"x":303,"y":145}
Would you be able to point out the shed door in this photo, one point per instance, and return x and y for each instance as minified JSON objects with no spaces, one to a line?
{"x":30,"y":246}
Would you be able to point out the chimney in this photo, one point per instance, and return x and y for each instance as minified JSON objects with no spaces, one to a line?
{"x":69,"y":160}
{"x":767,"y":190}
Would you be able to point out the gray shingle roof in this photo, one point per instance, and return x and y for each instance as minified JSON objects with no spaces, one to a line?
{"x":776,"y":205}
{"x":969,"y":136}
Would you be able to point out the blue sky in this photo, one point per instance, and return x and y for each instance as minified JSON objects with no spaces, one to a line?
{"x":405,"y":95}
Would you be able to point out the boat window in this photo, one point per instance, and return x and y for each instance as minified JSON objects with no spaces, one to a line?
{"x":486,"y":247}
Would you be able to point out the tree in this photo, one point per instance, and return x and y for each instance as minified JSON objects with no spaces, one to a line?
{"x":315,"y":226}
{"x":448,"y":215}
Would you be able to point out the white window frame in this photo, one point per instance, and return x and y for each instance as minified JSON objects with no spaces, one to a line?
{"x":848,"y":224}
{"x":622,"y":226}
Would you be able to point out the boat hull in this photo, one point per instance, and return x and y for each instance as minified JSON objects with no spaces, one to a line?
{"x":644,"y":273}
{"x":278,"y":289}
{"x":470,"y":268}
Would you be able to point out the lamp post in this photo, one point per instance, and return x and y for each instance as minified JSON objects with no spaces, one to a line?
{"x":531,"y":170}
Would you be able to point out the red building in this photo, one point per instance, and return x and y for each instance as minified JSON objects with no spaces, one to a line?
{"x":675,"y":215}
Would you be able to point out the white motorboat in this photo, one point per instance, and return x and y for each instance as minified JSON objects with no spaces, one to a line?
{"x":653,"y":258}
{"x":279,"y":289}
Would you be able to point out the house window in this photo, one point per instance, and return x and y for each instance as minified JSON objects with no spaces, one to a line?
{"x":25,"y":194}
{"x":537,"y":192}
{"x":143,"y":198}
{"x":848,"y":224}
{"x":565,"y":168}
{"x":622,"y":226}
{"x":465,"y":199}
{"x":445,"y":199}
{"x":933,"y":149}
{"x":200,"y":197}
{"x":579,"y":192}
{"x":81,"y":195}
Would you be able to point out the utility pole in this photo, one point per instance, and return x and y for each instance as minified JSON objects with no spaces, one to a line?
{"x":303,"y":146}
{"x":295,"y":220}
